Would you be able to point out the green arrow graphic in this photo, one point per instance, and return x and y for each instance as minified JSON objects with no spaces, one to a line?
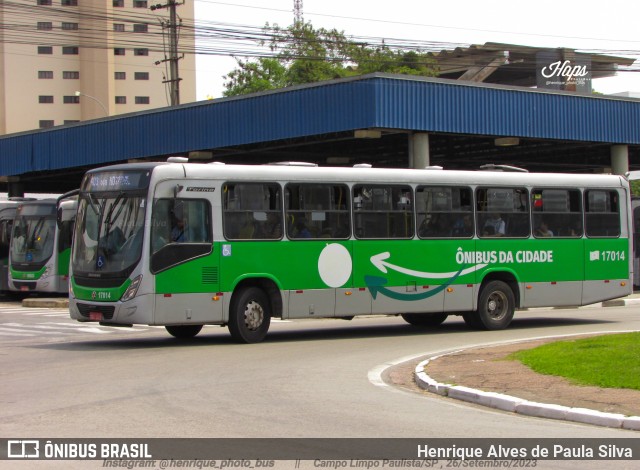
{"x":375,"y":284}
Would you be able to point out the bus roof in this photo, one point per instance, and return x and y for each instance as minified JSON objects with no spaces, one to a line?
{"x":379,"y":175}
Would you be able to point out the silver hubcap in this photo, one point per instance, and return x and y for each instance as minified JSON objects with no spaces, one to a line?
{"x":497,"y":305}
{"x":253,"y":315}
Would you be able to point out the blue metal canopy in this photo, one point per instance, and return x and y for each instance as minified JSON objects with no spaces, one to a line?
{"x":379,"y":101}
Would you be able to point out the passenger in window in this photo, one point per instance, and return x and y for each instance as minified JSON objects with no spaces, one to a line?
{"x":494,"y":226}
{"x":463,"y":227}
{"x":543,"y":230}
{"x":301,"y":230}
{"x":435,"y":226}
{"x":248,"y":230}
{"x":273,"y":226}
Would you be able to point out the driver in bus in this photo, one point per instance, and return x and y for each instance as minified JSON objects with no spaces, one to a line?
{"x":179,"y":229}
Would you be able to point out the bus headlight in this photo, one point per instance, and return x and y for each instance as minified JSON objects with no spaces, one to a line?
{"x":132,"y":290}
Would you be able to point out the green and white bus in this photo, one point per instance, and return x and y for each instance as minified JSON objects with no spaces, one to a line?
{"x":185,"y":245}
{"x":40,"y":247}
{"x":8,"y":208}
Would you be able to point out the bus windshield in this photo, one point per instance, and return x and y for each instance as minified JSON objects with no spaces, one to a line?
{"x":33,"y":238}
{"x":109,"y":232}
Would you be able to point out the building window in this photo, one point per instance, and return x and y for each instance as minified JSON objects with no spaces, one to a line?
{"x":71,"y":75}
{"x":120,"y":75}
{"x":45,"y":25}
{"x":69,"y":26}
{"x":141,"y":76}
{"x":44,"y":2}
{"x":118,"y":3}
{"x":140,"y":28}
{"x":118,"y":27}
{"x":45,"y":99}
{"x":139,"y":3}
{"x":142,"y":100}
{"x":70,"y":50}
{"x":45,"y":50}
{"x":46,"y":123}
{"x":141,"y":51}
{"x":118,"y":51}
{"x":121,"y":100}
{"x":45,"y":74}
{"x":71,"y":99}
{"x":69,"y":3}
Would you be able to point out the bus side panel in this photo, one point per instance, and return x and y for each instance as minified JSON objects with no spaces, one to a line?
{"x":411,"y":275}
{"x":295,"y":266}
{"x":607,"y":273}
{"x":557,"y":281}
{"x":185,"y":293}
{"x":459,"y":296}
{"x":183,"y":309}
{"x":309,"y":303}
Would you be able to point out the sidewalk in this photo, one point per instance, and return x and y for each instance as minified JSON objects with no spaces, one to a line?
{"x":482,"y":376}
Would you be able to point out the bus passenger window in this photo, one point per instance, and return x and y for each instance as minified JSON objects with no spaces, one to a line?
{"x":383,"y":211}
{"x":602,"y":213}
{"x":444,"y":212}
{"x":503,"y":212}
{"x":317,"y":211}
{"x":560,"y":210}
{"x":252,"y":211}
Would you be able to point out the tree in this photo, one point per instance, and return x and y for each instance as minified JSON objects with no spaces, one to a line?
{"x":301,"y":54}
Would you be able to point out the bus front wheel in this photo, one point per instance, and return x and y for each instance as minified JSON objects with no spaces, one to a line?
{"x":249,"y":316}
{"x":183,"y":331}
{"x":496,"y":306}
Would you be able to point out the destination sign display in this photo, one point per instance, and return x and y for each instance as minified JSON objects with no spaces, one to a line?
{"x":116,"y":181}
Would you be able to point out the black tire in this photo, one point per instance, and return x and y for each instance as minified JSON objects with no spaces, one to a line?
{"x":424,"y":319}
{"x":249,"y":316}
{"x":183,"y":331}
{"x":472,"y":320}
{"x":496,"y":306}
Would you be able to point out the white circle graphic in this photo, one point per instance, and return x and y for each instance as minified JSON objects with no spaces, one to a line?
{"x":334,"y":265}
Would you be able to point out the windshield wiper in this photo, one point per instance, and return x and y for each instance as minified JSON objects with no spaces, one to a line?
{"x":107,"y":219}
{"x":92,"y":203}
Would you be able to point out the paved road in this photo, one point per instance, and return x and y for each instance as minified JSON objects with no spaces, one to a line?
{"x":318,"y":378}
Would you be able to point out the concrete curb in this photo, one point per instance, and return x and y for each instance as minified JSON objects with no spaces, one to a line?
{"x":46,"y":303}
{"x":521,"y":406}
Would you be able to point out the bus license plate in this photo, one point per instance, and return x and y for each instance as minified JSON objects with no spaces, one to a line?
{"x":95,"y":316}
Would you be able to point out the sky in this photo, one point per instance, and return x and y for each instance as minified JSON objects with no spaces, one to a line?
{"x":609,"y":27}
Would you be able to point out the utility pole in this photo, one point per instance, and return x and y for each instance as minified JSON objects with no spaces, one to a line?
{"x":174,"y":77}
{"x":297,"y":12}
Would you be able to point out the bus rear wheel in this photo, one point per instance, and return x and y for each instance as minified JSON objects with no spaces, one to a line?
{"x":424,"y":319}
{"x":249,"y":316}
{"x":183,"y":331}
{"x":496,"y":306}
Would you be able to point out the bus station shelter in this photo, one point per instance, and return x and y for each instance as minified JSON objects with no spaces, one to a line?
{"x":381,"y":119}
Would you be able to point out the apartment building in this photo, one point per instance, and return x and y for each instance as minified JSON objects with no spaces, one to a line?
{"x":64,"y":61}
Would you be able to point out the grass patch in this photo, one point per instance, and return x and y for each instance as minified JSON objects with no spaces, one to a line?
{"x":611,"y":361}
